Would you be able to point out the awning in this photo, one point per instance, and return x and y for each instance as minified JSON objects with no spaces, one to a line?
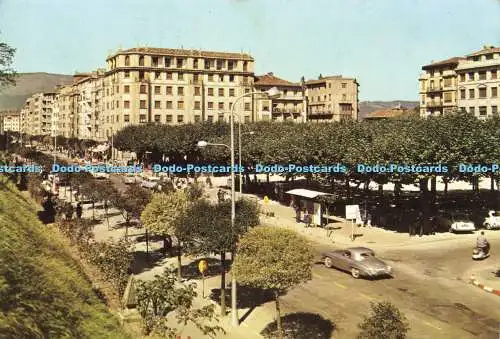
{"x":306,"y":193}
{"x":100,"y":148}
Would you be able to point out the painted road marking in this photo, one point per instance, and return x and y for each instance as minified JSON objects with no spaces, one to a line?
{"x":433,"y":326}
{"x":340,"y":285}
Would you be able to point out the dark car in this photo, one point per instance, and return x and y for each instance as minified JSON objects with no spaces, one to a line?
{"x":359,"y":261}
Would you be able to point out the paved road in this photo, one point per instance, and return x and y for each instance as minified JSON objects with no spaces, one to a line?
{"x":425,"y":288}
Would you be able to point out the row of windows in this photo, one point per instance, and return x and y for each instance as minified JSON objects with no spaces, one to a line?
{"x":170,"y":118}
{"x":483,"y":110}
{"x":472,"y":76}
{"x":180,"y":105}
{"x":169,"y":90}
{"x":180,"y":63}
{"x":318,"y":98}
{"x":182,"y":76}
{"x":482,"y":93}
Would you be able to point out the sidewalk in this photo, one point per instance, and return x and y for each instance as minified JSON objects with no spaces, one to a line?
{"x":487,"y":280}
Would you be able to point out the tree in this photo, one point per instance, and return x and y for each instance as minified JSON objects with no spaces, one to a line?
{"x":385,"y":321}
{"x":274,"y":259}
{"x":131,"y":203}
{"x":209,"y":227}
{"x":158,"y":298}
{"x":7,"y":73}
{"x":162,"y":216}
{"x":93,"y":190}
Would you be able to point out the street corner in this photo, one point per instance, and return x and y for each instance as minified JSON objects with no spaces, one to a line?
{"x":488,"y":281}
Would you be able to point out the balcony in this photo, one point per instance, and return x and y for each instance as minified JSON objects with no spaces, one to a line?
{"x":285,"y":111}
{"x":319,"y":113}
{"x":434,"y":89}
{"x":432,"y":104}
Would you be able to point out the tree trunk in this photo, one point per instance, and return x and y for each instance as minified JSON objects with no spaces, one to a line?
{"x":107,"y":216}
{"x":279,"y":326}
{"x":93,"y":211}
{"x":348,"y":188}
{"x":380,"y":190}
{"x":223,"y":284}
{"x":433,"y":188}
{"x":445,"y":186}
{"x":267,"y":178}
{"x":367,"y":186}
{"x":492,"y":183}
{"x":179,"y":260}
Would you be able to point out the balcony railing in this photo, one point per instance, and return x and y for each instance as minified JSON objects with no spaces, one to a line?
{"x":434,"y":89}
{"x":321,"y":113}
{"x":286,"y":111}
{"x":434,"y":104}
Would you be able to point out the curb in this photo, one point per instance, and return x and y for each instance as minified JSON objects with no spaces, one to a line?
{"x":488,"y":289}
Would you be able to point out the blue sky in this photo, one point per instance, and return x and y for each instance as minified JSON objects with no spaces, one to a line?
{"x":383,"y":43}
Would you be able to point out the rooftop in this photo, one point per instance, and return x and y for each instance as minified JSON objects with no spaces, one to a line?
{"x":485,"y":50}
{"x":387,"y":113}
{"x":450,"y":61}
{"x":324,"y":79}
{"x":270,"y":79}
{"x":184,"y":53}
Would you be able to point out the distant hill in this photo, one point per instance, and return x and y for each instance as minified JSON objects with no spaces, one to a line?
{"x":366,"y":107}
{"x":28,"y":84}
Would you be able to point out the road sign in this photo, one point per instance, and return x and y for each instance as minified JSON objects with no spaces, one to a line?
{"x":203,"y":266}
{"x":266,"y":200}
{"x":352,"y":211}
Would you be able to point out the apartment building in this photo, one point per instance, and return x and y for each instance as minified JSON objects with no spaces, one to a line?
{"x":10,"y":120}
{"x":469,"y":83}
{"x":36,"y":115}
{"x":289,"y":105}
{"x":174,"y":86}
{"x":332,"y":98}
{"x":66,"y":111}
{"x":438,"y":87}
{"x":89,"y":88}
{"x":479,"y":82}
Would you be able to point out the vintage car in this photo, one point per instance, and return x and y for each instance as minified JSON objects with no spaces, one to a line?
{"x":150,"y":182}
{"x":492,"y":221}
{"x":130,"y":178}
{"x":454,"y":223}
{"x":359,"y":261}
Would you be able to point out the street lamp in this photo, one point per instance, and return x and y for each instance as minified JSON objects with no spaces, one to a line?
{"x":239,"y":155}
{"x":271,"y":93}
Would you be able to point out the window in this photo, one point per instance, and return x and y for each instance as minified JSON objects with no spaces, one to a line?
{"x":245,"y":66}
{"x":482,"y":92}
{"x":141,"y":60}
{"x":167,"y":62}
{"x":126,"y":89}
{"x":221,"y":105}
{"x":142,"y":104}
{"x":219,"y":64}
{"x":127,"y":60}
{"x":168,"y":118}
{"x":117,"y":89}
{"x":126,"y":104}
{"x":482,"y":75}
{"x":231,"y":78}
{"x":493,"y":74}
{"x":197,"y":91}
{"x":210,"y":118}
{"x":344,"y":96}
{"x":157,"y":90}
{"x":169,"y":105}
{"x":247,"y":106}
{"x":180,"y":118}
{"x":195,"y":63}
{"x":247,"y":118}
{"x":231,"y":92}
{"x":221,"y":92}
{"x":494,"y":109}
{"x":210,"y":92}
{"x":157,"y":118}
{"x":157,"y":75}
{"x":180,"y":76}
{"x":141,"y":75}
{"x":230,"y":65}
{"x":482,"y":110}
{"x":169,"y":76}
{"x":197,"y":118}
{"x":117,"y":104}
{"x":197,"y":105}
{"x":472,"y":110}
{"x":344,"y":85}
{"x":210,"y":105}
{"x":207,"y":64}
{"x":471,"y":93}
{"x":462,"y":77}
{"x":157,"y":104}
{"x":494,"y":92}
{"x":180,"y":62}
{"x":230,"y":105}
{"x":142,"y":118}
{"x":447,"y":97}
{"x":180,"y":104}
{"x":126,"y":118}
{"x":169,"y":90}
{"x":196,"y":78}
{"x":180,"y":90}
{"x":471,"y":76}
{"x":221,"y":78}
{"x":143,"y":89}
{"x":210,"y":77}
{"x":127,"y":74}
{"x":462,"y":94}
{"x":447,"y":82}
{"x":247,"y":90}
{"x":329,"y":97}
{"x":107,"y":91}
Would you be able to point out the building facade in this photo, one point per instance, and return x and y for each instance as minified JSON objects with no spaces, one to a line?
{"x":479,"y":82}
{"x":332,"y":98}
{"x":469,"y":83}
{"x":10,"y":121}
{"x":36,"y":115}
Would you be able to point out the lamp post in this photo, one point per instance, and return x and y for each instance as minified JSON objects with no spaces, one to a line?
{"x":271,"y":93}
{"x":239,"y":155}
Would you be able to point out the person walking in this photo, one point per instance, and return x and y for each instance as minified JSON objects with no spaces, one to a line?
{"x":79,"y":211}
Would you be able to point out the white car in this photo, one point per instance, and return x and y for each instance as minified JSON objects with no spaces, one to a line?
{"x":492,"y":221}
{"x":462,"y":225}
{"x":150,"y":182}
{"x":100,"y":175}
{"x":129,"y":179}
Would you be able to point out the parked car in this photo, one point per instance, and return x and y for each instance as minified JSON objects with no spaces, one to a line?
{"x":150,"y":182}
{"x":359,"y":261}
{"x":129,"y":179}
{"x":492,"y":221}
{"x":455,"y":222}
{"x":100,"y":175}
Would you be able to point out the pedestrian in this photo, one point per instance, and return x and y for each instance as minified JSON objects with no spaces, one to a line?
{"x":297,"y":212}
{"x":79,"y":211}
{"x":307,"y":218}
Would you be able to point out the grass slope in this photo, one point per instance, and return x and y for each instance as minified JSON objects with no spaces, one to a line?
{"x":43,"y":293}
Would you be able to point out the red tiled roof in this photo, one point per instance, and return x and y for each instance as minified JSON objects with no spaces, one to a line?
{"x":270,"y":79}
{"x":450,"y":61}
{"x":185,"y":52}
{"x":323,"y":79}
{"x":485,"y":50}
{"x":386,"y":113}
